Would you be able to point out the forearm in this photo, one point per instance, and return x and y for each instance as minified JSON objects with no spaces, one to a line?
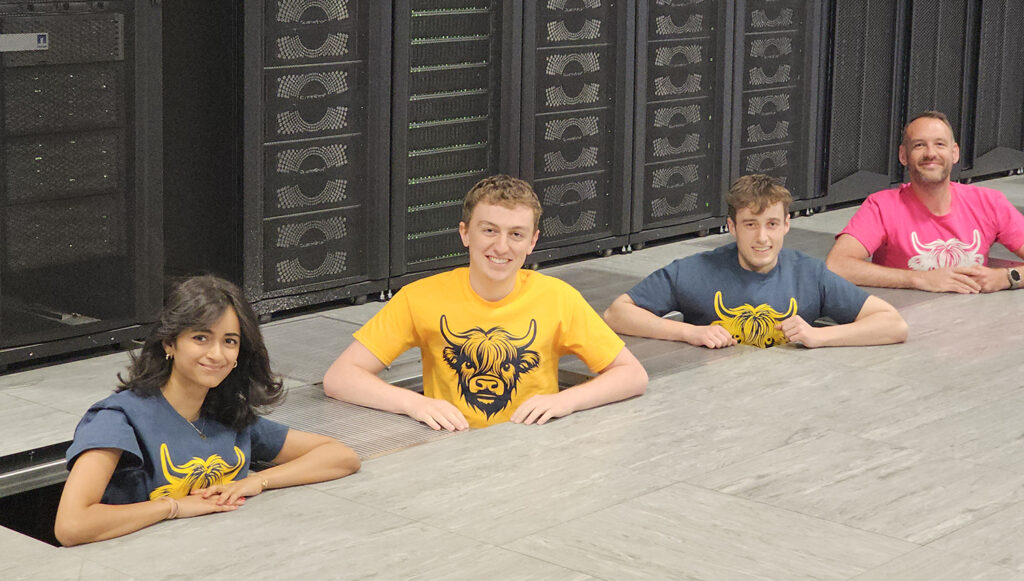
{"x":614,"y":384}
{"x":356,"y":385}
{"x":881,"y":328}
{"x":326,"y":461}
{"x":100,"y":522}
{"x":629,"y":319}
{"x":865,"y":273}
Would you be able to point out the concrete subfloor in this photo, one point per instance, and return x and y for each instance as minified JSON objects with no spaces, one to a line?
{"x":872,"y":463}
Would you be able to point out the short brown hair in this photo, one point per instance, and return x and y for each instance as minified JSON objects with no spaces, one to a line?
{"x":757,"y":192}
{"x":503,"y":190}
{"x":930,"y":115}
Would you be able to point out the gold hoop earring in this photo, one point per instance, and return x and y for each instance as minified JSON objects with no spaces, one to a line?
{"x":235,"y":365}
{"x":168,"y":356}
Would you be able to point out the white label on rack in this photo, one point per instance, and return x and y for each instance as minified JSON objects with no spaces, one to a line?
{"x":24,"y":41}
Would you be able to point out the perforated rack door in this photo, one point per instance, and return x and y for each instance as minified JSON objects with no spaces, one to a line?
{"x":319,"y":221}
{"x":998,"y":121}
{"x":450,"y":92}
{"x":777,"y":124}
{"x":77,"y":202}
{"x":577,"y":102}
{"x":867,"y":52}
{"x":938,"y":74}
{"x":683,"y":80}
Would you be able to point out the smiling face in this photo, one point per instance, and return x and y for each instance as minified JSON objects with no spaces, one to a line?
{"x":499,"y":239}
{"x":929,"y":151}
{"x":759,"y":236}
{"x":205,"y":357}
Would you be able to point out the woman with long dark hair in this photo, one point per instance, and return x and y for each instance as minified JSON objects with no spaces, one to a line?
{"x":177,"y":437}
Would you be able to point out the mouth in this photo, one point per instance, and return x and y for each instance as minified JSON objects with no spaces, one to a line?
{"x":213,"y":368}
{"x":499,"y":261}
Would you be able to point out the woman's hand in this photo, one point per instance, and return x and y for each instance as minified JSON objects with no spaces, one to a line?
{"x":232,"y":493}
{"x":196,"y":504}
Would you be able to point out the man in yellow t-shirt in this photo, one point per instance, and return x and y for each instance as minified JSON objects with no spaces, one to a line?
{"x":491,"y":334}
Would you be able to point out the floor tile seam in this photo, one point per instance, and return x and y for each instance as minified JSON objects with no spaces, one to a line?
{"x":87,"y":560}
{"x":43,"y":405}
{"x":815,"y":517}
{"x":944,"y":551}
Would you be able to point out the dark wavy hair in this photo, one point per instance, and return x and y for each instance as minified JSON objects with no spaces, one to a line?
{"x":197,"y":303}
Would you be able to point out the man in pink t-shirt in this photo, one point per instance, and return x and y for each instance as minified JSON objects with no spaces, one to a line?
{"x":930,"y":234}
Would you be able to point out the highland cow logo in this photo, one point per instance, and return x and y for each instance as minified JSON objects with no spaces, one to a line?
{"x":945,"y":253}
{"x":196,"y":473}
{"x":753,"y":325}
{"x":489,"y":363}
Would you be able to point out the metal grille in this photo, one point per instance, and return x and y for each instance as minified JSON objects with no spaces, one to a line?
{"x":64,"y":98}
{"x":64,"y":232}
{"x":938,"y":35}
{"x":57,"y":166}
{"x":320,"y":175}
{"x":311,"y":247}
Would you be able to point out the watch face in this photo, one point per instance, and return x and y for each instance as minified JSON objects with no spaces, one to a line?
{"x":1015,"y":275}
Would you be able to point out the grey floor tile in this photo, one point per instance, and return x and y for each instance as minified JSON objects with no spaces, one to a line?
{"x":675,"y":438}
{"x":988,"y":434}
{"x":26,"y":425}
{"x":927,"y":564}
{"x":899,"y":492}
{"x":356,"y":314}
{"x":997,"y":539}
{"x":683,"y":532}
{"x":490,"y":485}
{"x":72,"y":386}
{"x":829,"y":222}
{"x":304,"y":349}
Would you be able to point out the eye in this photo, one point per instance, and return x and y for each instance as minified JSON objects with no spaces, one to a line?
{"x":231,"y":341}
{"x":506,"y":366}
{"x":199,"y":338}
{"x":468,"y":366}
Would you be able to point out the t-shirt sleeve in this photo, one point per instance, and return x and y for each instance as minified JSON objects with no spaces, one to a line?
{"x":1010,"y":222}
{"x":588,"y":337}
{"x":841,"y":300}
{"x":391,"y":331}
{"x":106,"y":428}
{"x":656,"y":293}
{"x":866,"y":225}
{"x":267,"y":439}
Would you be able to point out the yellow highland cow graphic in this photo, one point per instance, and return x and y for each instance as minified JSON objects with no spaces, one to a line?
{"x":195,"y":474}
{"x":753,"y":325}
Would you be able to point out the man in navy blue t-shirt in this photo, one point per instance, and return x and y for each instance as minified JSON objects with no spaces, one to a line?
{"x":753,"y":291}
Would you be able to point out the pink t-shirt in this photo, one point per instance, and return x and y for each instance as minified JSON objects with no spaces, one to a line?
{"x":900,"y":232}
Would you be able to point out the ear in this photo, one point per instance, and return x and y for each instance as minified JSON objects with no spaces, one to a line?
{"x":785,"y":229}
{"x":731,"y":226}
{"x":956,"y":152}
{"x":536,"y":236}
{"x":464,"y":234}
{"x":903,"y":155}
{"x":451,"y":358}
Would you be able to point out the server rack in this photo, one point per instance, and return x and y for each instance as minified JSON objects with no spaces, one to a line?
{"x":79,"y":265}
{"x":778,"y":96}
{"x":997,"y":143}
{"x":682,"y":117}
{"x":866,"y":84}
{"x":454,"y":110}
{"x":291,"y":97}
{"x":576,"y":122}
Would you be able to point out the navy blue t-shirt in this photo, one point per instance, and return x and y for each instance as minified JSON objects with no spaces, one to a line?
{"x":162,"y":454}
{"x":712,"y":288}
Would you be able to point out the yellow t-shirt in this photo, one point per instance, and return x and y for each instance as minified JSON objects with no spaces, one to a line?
{"x":488,"y":357}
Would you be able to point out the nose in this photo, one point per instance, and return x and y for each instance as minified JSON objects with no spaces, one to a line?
{"x":216,"y":351}
{"x":501,"y":245}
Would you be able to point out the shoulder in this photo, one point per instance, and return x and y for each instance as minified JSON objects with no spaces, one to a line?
{"x":532,"y":281}
{"x":431,"y":283}
{"x":126,"y":401}
{"x":978,"y":194}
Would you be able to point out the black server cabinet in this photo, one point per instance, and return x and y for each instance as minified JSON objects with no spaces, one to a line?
{"x":682,"y":116}
{"x":778,"y":102}
{"x":316,"y":118}
{"x":940,"y":67}
{"x":285,"y":188}
{"x":454,"y":79}
{"x":577,"y":102}
{"x":80,"y":249}
{"x":867,"y":60}
{"x":998,"y":121}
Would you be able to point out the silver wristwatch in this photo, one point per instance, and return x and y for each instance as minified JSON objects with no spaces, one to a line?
{"x":1014,"y":276}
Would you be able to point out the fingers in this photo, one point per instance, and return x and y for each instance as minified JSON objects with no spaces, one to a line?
{"x":442,"y":415}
